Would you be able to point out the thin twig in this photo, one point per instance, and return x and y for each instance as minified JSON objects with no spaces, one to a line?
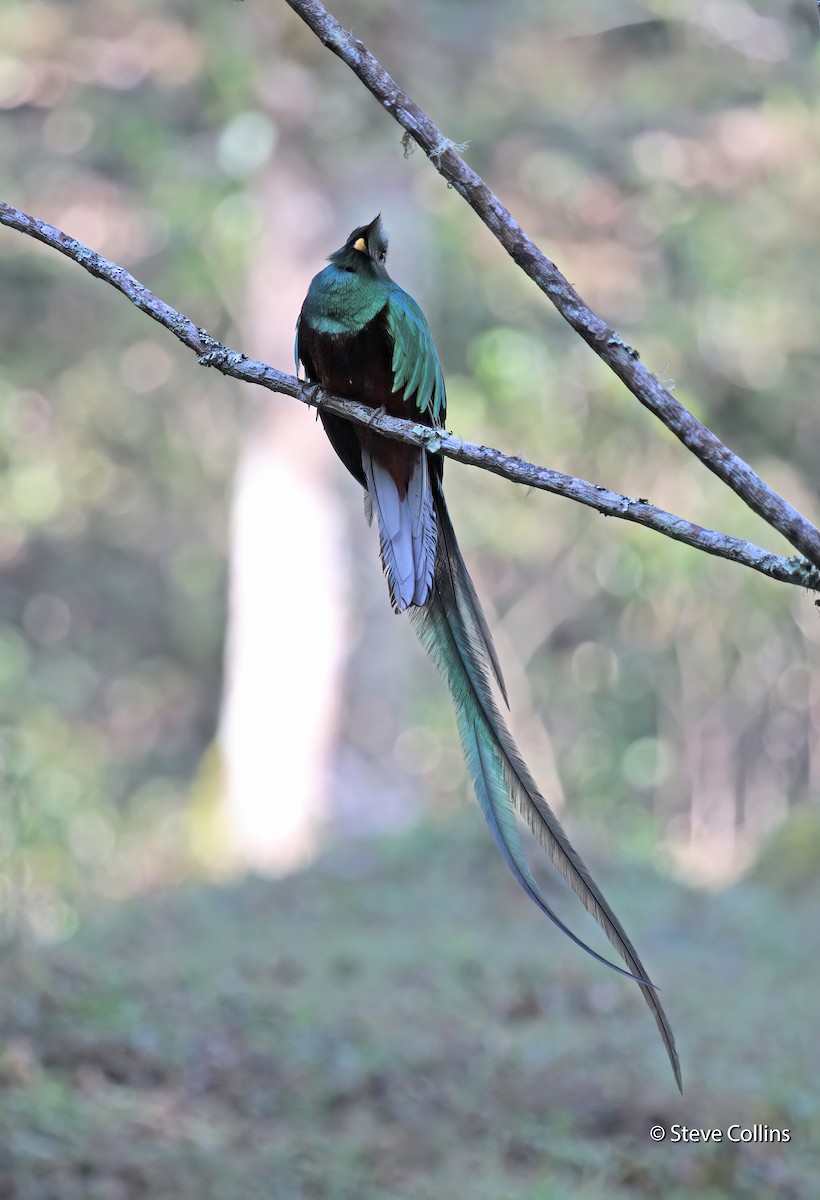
{"x":212,"y":353}
{"x":606,"y":343}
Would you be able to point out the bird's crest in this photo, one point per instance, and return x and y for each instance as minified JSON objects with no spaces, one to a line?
{"x":366,"y":246}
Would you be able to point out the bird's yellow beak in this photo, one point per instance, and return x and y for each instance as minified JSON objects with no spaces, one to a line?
{"x":360,"y":244}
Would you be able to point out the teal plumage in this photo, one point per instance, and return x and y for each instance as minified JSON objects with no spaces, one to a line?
{"x":362,"y":336}
{"x":416,"y":370}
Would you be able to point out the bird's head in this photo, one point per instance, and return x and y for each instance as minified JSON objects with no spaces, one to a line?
{"x":365,"y":251}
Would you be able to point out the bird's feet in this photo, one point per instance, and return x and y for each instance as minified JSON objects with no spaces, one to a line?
{"x":315,"y":395}
{"x":381,"y":411}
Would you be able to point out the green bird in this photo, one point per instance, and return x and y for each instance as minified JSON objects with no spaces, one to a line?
{"x":360,"y":335}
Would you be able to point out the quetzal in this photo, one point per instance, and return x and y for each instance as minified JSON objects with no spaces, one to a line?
{"x":360,"y":335}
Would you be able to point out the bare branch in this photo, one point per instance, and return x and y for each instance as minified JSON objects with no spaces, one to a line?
{"x":212,"y":353}
{"x":606,"y":343}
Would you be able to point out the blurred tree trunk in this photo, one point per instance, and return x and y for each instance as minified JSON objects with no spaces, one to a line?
{"x":285,"y":645}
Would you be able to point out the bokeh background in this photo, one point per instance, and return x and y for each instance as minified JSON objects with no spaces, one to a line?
{"x":200,"y":676}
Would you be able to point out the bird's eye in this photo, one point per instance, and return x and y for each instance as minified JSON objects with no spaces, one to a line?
{"x":382,"y":255}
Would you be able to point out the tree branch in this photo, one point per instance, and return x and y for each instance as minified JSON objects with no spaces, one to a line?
{"x":606,"y":343}
{"x":212,"y":353}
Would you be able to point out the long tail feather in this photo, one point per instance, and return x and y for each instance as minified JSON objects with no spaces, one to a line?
{"x":472,"y":614}
{"x":407,"y":529}
{"x":448,"y":628}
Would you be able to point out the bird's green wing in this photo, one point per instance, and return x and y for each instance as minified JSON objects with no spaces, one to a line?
{"x":416,"y":369}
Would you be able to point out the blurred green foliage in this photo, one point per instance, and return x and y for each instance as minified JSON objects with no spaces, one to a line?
{"x":665,"y":158}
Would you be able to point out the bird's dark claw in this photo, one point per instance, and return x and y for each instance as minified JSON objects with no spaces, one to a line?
{"x":315,"y":394}
{"x":381,"y":411}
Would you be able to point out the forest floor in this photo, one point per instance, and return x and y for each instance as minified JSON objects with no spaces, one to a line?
{"x":398,"y":1023}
